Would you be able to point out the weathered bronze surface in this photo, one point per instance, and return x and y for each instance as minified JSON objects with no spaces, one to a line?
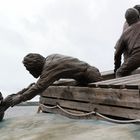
{"x":128,"y":44}
{"x":49,"y":70}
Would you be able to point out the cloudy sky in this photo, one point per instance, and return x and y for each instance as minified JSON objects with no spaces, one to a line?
{"x":86,"y":29}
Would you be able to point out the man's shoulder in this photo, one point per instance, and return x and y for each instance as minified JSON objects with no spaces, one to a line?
{"x":58,"y":56}
{"x":133,"y":26}
{"x":53,"y":55}
{"x":138,"y":24}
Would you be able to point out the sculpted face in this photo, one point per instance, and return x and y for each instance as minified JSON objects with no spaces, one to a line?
{"x":35,"y":73}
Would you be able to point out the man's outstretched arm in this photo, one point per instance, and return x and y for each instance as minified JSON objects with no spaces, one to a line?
{"x":31,"y":91}
{"x":7,"y":102}
{"x":118,"y":53}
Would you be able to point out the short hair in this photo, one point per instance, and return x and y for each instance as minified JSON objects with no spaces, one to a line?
{"x":32,"y":60}
{"x":131,"y":15}
{"x":34,"y":63}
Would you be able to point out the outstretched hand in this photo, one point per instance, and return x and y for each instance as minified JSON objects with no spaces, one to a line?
{"x":6,"y":103}
{"x":8,"y":100}
{"x":11,"y":99}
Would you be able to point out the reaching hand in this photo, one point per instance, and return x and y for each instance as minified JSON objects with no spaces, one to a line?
{"x":6,"y":103}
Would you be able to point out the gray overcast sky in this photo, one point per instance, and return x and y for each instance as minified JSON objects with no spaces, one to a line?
{"x":87,"y":29}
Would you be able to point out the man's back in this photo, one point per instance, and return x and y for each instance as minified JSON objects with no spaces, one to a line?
{"x":129,"y":44}
{"x":69,"y":67}
{"x":131,"y":39}
{"x":62,"y":61}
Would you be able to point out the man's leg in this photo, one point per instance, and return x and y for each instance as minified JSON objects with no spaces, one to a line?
{"x":128,"y":66}
{"x":89,"y":75}
{"x":93,"y":74}
{"x":137,"y":71}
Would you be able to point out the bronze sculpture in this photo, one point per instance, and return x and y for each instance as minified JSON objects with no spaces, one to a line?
{"x":49,"y":70}
{"x":129,"y":43}
{"x":57,"y":66}
{"x":126,"y":25}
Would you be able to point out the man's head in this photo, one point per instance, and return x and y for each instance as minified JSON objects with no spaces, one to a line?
{"x":131,"y":15}
{"x":137,"y":7}
{"x":34,"y":63}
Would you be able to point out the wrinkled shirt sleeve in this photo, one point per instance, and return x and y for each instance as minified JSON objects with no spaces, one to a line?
{"x":120,"y":46}
{"x":43,"y":83}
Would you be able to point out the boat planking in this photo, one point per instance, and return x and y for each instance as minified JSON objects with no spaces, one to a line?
{"x":113,"y":97}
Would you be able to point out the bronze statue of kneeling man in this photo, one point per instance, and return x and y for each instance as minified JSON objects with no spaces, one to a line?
{"x":49,"y":70}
